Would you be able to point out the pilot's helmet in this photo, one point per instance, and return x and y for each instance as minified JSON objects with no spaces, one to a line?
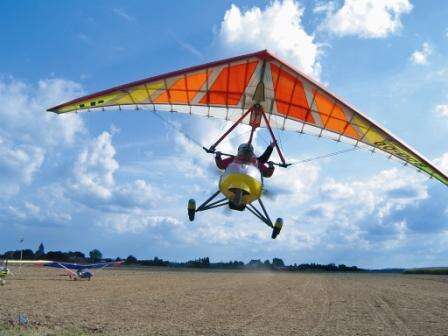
{"x":246,"y":150}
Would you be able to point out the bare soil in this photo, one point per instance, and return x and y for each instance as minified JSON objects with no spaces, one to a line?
{"x":182,"y":302}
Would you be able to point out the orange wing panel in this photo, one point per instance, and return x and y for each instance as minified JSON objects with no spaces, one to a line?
{"x":194,"y":84}
{"x":230,"y":84}
{"x":333,"y":117}
{"x":290,"y":95}
{"x":182,"y":91}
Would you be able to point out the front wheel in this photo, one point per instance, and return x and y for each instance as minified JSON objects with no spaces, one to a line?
{"x":191,"y":209}
{"x":237,"y":197}
{"x":277,"y":228}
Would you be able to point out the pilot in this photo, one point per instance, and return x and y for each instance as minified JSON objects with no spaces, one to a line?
{"x":246,"y":155}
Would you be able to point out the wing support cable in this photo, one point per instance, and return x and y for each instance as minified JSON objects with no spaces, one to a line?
{"x":324,"y":156}
{"x":178,"y":129}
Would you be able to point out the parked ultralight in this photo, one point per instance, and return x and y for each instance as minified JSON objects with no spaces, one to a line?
{"x":259,"y":90}
{"x":73,"y":270}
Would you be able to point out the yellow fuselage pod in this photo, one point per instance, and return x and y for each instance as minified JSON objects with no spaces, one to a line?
{"x":246,"y":177}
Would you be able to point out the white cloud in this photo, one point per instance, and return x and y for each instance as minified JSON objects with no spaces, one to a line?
{"x":442,"y":109}
{"x":85,"y":39}
{"x":421,"y":56}
{"x":186,"y":46}
{"x":138,"y":221}
{"x":27,"y":132}
{"x":278,"y":27}
{"x":364,"y":18}
{"x":94,"y":181}
{"x":95,"y":167}
{"x":123,"y":14}
{"x":442,"y":163}
{"x":18,"y":164}
{"x":30,"y":214}
{"x":23,"y":111}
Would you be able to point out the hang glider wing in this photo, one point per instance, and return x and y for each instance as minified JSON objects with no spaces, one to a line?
{"x":227,"y":88}
{"x":27,"y":262}
{"x":74,"y":266}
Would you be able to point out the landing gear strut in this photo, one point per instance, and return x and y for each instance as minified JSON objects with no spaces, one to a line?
{"x":264,"y":217}
{"x":260,"y":214}
{"x":208,"y":204}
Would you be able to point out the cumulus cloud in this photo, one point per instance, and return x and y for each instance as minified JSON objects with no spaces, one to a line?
{"x":442,"y":110}
{"x":95,"y":167}
{"x":362,"y":210}
{"x":94,"y":180}
{"x":421,"y":56}
{"x":18,"y":164}
{"x":23,"y":111}
{"x":27,"y":132}
{"x":138,"y":221}
{"x":364,"y":18}
{"x":277,"y":27}
{"x":29,"y":213}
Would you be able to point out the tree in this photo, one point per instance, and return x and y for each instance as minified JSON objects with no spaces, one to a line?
{"x":278,"y":262}
{"x":95,"y":255}
{"x":40,"y":251}
{"x":27,"y":254}
{"x":131,"y":260}
{"x":56,"y":256}
{"x":255,"y":263}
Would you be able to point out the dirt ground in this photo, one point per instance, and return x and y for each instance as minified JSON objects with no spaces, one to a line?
{"x":154,"y":302}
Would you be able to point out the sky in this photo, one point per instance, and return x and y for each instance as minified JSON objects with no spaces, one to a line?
{"x":119,"y":181}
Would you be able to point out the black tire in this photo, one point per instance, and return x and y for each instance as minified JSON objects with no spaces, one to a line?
{"x":277,"y":228}
{"x":237,"y":197}
{"x":191,"y":209}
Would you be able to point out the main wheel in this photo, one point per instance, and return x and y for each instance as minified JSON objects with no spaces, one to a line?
{"x":191,"y":209}
{"x":237,"y":197}
{"x":277,"y":228}
{"x":2,"y":282}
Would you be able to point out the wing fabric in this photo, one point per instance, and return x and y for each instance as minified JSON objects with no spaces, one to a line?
{"x":225,"y":89}
{"x":69,"y":266}
{"x":73,"y":266}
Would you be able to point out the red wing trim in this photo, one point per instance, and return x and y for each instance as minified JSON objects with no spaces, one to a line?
{"x":264,"y":55}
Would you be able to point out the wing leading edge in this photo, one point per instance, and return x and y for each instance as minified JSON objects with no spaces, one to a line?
{"x":226,"y":88}
{"x":74,"y":266}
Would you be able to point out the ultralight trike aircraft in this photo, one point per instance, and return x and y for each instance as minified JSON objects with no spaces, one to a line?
{"x":73,"y":270}
{"x":259,"y":90}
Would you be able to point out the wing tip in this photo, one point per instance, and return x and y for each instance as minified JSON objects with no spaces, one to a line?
{"x":54,"y":109}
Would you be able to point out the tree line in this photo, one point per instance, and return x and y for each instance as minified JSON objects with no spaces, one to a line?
{"x":71,"y":256}
{"x":95,"y":256}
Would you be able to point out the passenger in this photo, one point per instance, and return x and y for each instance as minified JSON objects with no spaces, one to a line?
{"x":246,"y":155}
